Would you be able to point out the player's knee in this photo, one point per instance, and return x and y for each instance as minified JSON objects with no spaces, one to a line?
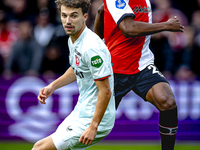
{"x":167,"y":102}
{"x":37,"y":146}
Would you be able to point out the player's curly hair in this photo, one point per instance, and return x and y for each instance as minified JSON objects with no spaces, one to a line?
{"x":83,"y":4}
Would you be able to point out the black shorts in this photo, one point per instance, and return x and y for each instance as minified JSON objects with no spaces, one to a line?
{"x":140,"y":82}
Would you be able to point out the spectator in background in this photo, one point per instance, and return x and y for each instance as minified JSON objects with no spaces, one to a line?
{"x":3,"y":8}
{"x":1,"y":65}
{"x":164,"y":59}
{"x":187,"y":7}
{"x":187,"y":57}
{"x":26,"y":55}
{"x":50,"y":5}
{"x":59,"y":39}
{"x":58,"y":42}
{"x":44,"y":29}
{"x":198,"y":3}
{"x":184,"y":67}
{"x":8,"y":35}
{"x":195,"y":23}
{"x":18,"y":11}
{"x":171,"y":41}
{"x":54,"y":62}
{"x":164,"y":10}
{"x":183,"y":50}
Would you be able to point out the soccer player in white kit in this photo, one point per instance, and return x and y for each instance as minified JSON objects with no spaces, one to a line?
{"x":94,"y":114}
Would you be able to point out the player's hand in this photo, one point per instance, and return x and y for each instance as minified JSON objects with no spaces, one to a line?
{"x":88,"y":135}
{"x":174,"y":25}
{"x":44,"y":93}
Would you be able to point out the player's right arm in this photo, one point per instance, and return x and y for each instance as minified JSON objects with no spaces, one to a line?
{"x":67,"y":78}
{"x":104,"y":96}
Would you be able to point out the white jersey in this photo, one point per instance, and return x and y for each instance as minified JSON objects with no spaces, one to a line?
{"x":91,"y":61}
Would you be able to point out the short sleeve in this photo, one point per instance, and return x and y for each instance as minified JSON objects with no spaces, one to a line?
{"x":98,"y":64}
{"x":119,"y":9}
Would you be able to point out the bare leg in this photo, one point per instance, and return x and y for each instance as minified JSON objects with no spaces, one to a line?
{"x":44,"y":144}
{"x":161,"y":96}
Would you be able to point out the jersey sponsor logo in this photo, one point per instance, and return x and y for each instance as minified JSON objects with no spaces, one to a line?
{"x":139,"y":9}
{"x":78,"y":73}
{"x":120,"y":4}
{"x":96,"y":61}
{"x":77,"y":60}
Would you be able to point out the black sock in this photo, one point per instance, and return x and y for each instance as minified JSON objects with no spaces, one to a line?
{"x":168,"y":124}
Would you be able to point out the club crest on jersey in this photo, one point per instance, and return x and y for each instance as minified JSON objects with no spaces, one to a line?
{"x":120,"y":4}
{"x":77,"y":60}
{"x":96,"y":61}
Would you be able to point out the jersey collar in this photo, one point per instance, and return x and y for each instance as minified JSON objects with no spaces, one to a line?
{"x":80,"y":37}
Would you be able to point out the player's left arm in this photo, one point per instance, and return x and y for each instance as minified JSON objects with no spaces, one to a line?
{"x":99,"y":22}
{"x":124,"y":16}
{"x":104,"y":96}
{"x":131,"y":28}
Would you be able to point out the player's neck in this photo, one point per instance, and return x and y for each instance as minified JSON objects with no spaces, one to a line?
{"x":77,"y":35}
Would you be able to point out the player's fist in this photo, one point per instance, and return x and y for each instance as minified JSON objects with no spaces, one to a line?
{"x":44,"y":93}
{"x":175,"y":25}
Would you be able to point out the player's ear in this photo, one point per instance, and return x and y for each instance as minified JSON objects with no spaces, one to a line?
{"x":85,"y":16}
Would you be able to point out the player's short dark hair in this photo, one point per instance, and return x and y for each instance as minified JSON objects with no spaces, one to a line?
{"x":83,"y":4}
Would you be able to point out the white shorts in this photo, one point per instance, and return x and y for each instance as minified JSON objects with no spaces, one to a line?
{"x":67,"y":135}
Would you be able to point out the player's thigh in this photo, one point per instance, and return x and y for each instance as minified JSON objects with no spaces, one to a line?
{"x":152,"y":86}
{"x":68,"y":133}
{"x":44,"y":144}
{"x":76,"y":145}
{"x":146,"y":80}
{"x":161,"y":96}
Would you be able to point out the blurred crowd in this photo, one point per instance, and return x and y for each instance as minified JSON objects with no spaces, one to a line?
{"x":176,"y":54}
{"x":33,"y":41}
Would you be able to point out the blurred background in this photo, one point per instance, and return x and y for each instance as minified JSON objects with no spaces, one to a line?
{"x":34,"y":51}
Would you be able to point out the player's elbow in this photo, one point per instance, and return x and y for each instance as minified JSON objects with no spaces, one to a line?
{"x":100,"y":10}
{"x":128,"y":30}
{"x":126,"y":34}
{"x":107,"y":93}
{"x":129,"y":33}
{"x":129,"y":27}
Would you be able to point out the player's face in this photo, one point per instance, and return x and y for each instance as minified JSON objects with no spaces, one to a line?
{"x":73,"y":21}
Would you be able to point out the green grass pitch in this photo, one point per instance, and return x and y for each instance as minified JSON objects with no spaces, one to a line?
{"x":105,"y":146}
